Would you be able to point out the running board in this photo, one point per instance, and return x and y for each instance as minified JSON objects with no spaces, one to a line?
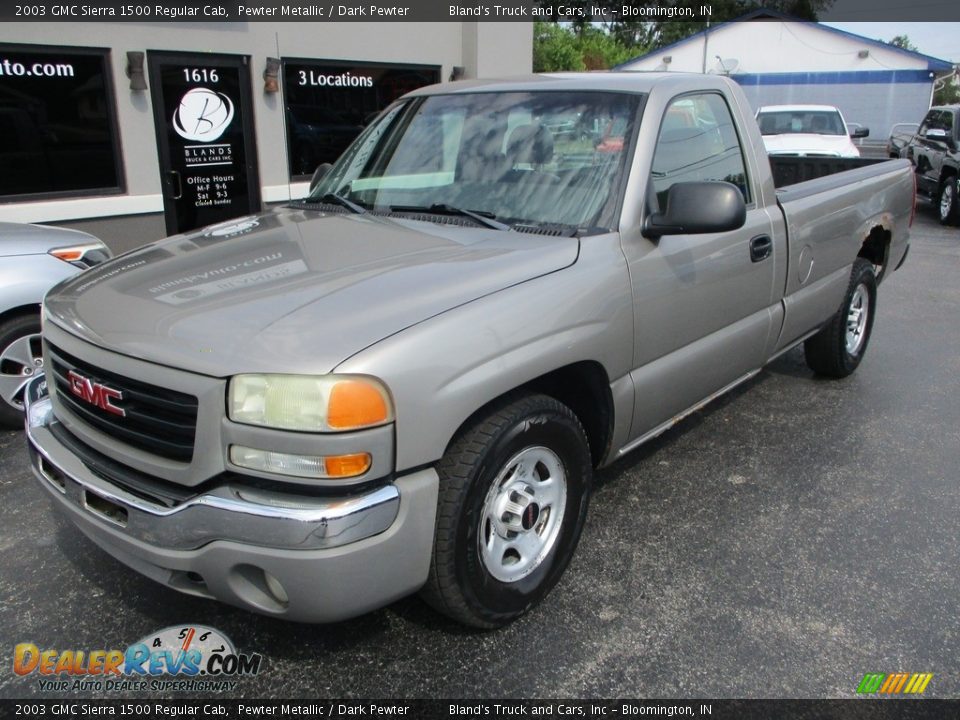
{"x":663,"y":427}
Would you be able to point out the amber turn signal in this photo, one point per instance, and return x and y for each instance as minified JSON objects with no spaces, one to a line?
{"x":356,"y":404}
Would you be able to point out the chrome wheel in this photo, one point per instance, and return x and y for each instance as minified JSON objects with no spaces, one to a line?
{"x":857,"y":315}
{"x":19,"y":362}
{"x":947,"y":198}
{"x":522,"y":514}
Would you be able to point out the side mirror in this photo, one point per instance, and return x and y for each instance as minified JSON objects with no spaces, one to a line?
{"x":319,"y":174}
{"x":936,"y":134}
{"x":698,"y":207}
{"x":860,"y":132}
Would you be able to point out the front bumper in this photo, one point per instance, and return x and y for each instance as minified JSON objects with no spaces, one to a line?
{"x":301,"y":557}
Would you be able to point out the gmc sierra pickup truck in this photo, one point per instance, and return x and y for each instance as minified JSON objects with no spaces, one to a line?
{"x":404,"y":382}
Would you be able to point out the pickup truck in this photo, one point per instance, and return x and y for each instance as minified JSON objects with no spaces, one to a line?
{"x":808,"y":130}
{"x":935,"y":154}
{"x":404,"y":382}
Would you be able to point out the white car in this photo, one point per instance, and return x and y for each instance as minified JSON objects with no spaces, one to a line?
{"x":33,"y":258}
{"x":807,"y":131}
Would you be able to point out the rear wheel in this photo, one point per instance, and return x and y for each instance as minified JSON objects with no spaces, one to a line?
{"x":21,"y":358}
{"x":514,"y":488}
{"x":949,"y":205}
{"x":838,"y":348}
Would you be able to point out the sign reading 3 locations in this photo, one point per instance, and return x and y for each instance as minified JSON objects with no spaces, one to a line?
{"x":329,"y":102}
{"x":205,"y":138}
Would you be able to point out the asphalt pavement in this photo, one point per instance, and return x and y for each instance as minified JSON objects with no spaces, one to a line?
{"x":782,"y":542}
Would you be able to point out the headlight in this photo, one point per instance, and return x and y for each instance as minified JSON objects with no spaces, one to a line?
{"x":309,"y":403}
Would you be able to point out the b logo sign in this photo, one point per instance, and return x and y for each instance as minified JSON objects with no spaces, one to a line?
{"x":202,"y":115}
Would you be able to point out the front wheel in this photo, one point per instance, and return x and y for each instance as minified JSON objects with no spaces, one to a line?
{"x":514,"y":489}
{"x":949,"y":205}
{"x":838,"y":348}
{"x":21,"y":358}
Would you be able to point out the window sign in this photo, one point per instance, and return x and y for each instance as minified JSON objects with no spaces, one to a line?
{"x":328,"y":103}
{"x":57,"y":123}
{"x":205,"y":137}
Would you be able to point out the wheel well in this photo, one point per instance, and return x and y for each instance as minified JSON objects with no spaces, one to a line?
{"x":876,"y":249}
{"x":946,"y":172}
{"x":584,"y":388}
{"x":31,"y":309}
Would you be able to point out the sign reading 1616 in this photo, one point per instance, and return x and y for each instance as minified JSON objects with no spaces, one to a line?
{"x":200,"y":75}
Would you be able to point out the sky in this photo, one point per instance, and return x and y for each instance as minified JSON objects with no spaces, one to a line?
{"x":941,"y":40}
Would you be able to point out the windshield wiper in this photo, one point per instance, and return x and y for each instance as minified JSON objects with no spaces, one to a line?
{"x":334,"y":199}
{"x":484,"y":218}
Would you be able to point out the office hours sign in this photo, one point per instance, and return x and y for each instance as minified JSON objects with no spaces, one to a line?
{"x":205,"y":138}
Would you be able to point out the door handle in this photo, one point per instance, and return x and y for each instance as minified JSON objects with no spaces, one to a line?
{"x":761,"y":247}
{"x":175,"y":185}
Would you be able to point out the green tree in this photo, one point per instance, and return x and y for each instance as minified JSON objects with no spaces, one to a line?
{"x":588,"y":47}
{"x":903,"y":42}
{"x":554,"y":49}
{"x":949,"y":92}
{"x":601,"y":51}
{"x":642,"y":36}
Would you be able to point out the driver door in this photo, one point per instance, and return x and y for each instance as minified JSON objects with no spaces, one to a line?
{"x":701,"y":301}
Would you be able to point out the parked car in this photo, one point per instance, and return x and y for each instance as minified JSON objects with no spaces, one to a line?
{"x":808,"y":131}
{"x":403,"y":382}
{"x":33,"y":258}
{"x":900,"y":135}
{"x":935,"y":156}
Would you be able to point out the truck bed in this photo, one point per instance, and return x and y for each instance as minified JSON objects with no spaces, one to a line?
{"x":793,"y":170}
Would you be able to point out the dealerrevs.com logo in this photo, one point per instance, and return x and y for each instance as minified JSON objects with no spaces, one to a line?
{"x":188,"y":658}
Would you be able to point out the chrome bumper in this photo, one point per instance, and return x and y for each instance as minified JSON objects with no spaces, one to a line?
{"x":252,"y":516}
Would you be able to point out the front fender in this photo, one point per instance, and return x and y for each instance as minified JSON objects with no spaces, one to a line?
{"x":443,"y":370}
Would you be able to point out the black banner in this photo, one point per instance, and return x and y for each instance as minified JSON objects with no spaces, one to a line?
{"x":441,"y":709}
{"x":439,"y":10}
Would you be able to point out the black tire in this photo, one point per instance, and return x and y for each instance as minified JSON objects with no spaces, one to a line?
{"x":828,"y":352}
{"x":12,"y":330}
{"x":460,"y":583}
{"x":948,"y":204}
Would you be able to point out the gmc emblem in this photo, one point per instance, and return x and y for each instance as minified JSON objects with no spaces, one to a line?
{"x":95,"y":393}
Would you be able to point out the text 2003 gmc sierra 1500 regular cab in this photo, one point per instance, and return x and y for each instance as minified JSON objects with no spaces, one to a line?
{"x":403,"y":382}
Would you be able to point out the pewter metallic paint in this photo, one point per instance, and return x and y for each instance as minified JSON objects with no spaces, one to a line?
{"x":450,"y":318}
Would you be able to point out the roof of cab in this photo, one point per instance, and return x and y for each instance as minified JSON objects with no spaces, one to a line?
{"x":626,"y":81}
{"x":798,"y":108}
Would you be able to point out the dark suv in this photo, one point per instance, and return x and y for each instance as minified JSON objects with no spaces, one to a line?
{"x":934,"y":153}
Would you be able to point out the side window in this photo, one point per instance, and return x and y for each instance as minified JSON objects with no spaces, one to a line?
{"x":948,"y":122}
{"x":698,"y":142}
{"x":928,"y":122}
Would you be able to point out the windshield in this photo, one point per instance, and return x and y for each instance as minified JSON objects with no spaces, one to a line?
{"x":786,"y":122}
{"x":521,"y":158}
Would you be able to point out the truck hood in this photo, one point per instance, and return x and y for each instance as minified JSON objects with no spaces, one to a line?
{"x":810,"y":144}
{"x":293,"y":290}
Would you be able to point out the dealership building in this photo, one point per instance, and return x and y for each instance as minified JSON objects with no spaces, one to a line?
{"x":780,"y":60}
{"x":133,"y":130}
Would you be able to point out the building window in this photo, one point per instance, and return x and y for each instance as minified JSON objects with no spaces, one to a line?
{"x":328,"y":103}
{"x":58,"y":126}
